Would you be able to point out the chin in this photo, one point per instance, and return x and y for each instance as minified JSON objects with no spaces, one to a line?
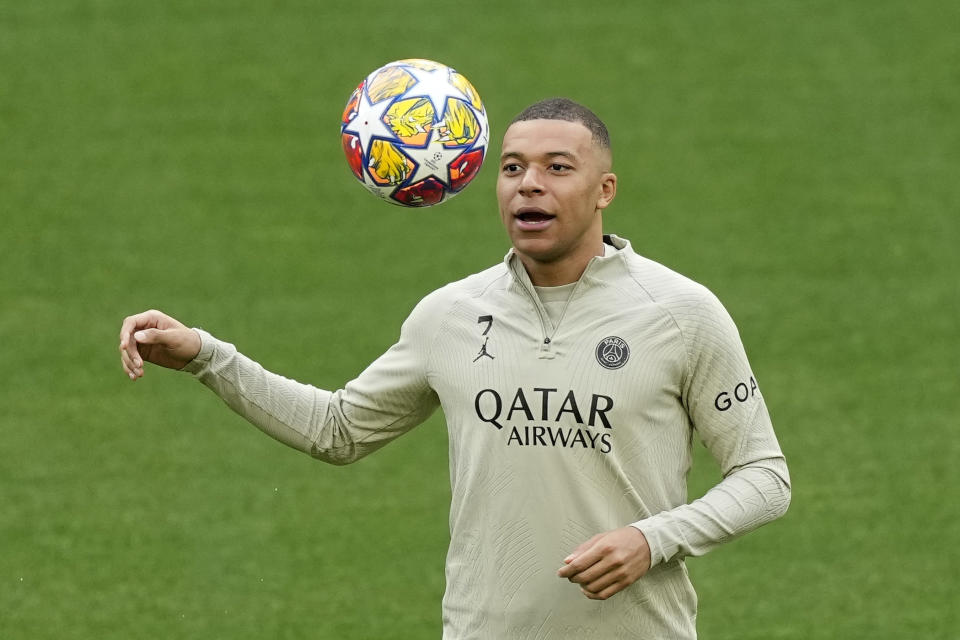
{"x":539,"y":249}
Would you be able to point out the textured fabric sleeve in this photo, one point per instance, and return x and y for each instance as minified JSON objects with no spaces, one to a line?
{"x":723,"y":400}
{"x":387,"y":399}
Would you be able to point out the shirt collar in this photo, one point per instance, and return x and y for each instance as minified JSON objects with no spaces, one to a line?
{"x":622,"y":245}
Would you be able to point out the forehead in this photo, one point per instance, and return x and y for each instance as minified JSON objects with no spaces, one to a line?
{"x":530,"y":138}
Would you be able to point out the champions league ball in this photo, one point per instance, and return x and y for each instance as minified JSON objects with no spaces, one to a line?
{"x":415,"y":132}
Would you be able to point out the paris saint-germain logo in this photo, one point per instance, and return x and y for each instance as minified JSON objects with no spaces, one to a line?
{"x":612,"y":352}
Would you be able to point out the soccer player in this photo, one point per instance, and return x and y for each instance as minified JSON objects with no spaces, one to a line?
{"x":573,"y":376}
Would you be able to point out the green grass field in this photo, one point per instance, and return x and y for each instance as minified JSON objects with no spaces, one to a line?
{"x":799,"y":158}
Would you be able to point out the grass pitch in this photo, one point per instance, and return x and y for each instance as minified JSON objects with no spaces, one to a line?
{"x":798,"y":158}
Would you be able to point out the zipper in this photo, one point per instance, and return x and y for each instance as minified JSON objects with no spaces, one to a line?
{"x":546,"y":351}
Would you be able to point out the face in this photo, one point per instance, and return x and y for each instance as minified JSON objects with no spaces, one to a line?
{"x":554,"y":181}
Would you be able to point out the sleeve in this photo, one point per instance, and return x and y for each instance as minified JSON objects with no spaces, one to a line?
{"x":726,"y":408}
{"x":386,"y":400}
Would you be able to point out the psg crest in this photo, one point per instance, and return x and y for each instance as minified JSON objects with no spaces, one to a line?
{"x":612,"y":352}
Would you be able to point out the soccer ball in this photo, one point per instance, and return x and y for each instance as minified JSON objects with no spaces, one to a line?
{"x":415,"y":132}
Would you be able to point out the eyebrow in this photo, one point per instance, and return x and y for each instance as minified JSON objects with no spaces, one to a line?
{"x":549,"y":154}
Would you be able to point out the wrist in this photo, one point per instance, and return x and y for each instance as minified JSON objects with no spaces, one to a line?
{"x":204,"y":344}
{"x":649,"y":537}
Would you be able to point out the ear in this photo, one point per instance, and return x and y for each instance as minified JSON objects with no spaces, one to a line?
{"x":608,"y":190}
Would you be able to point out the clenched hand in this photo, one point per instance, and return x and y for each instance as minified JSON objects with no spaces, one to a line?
{"x":608,"y":562}
{"x":153,"y":336}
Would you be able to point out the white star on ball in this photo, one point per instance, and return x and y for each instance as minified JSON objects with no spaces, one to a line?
{"x":436,"y":87}
{"x":368,"y":123}
{"x":436,"y":162}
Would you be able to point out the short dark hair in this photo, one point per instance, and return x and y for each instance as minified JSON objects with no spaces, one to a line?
{"x":566,"y":109}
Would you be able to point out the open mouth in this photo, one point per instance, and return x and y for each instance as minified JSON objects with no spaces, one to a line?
{"x":533,"y":217}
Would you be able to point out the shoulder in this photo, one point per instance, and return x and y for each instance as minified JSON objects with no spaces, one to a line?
{"x":707,"y":334}
{"x":695,"y":309}
{"x":664,"y":286}
{"x":438,"y":304}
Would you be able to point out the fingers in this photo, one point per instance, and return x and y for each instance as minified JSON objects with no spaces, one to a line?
{"x":131,"y":330}
{"x":151,"y":319}
{"x":603,"y":584}
{"x":608,"y":563}
{"x":157,"y":338}
{"x":583,"y":546}
{"x":599,"y":572}
{"x":130,"y":358}
{"x":603,"y":594}
{"x":586,"y":567}
{"x":149,"y":336}
{"x":581,"y":559}
{"x":133,"y":323}
{"x":129,"y":355}
{"x":131,"y":362}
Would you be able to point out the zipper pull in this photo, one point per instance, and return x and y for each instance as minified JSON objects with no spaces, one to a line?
{"x":545,"y":352}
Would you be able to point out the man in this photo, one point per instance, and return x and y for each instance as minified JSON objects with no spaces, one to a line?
{"x":572,"y":377}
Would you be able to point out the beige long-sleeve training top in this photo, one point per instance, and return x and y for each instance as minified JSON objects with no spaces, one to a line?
{"x":561,"y":425}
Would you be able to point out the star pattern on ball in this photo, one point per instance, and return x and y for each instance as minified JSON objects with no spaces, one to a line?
{"x":440,"y":157}
{"x":434,"y":85}
{"x":407,"y":167}
{"x":368,"y":123}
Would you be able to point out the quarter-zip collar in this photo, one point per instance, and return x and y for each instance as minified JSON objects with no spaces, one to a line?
{"x":596,"y":267}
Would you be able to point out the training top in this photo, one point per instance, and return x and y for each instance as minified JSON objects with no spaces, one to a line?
{"x":558,"y":430}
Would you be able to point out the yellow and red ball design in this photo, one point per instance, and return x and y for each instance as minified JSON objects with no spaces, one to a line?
{"x":415,"y":132}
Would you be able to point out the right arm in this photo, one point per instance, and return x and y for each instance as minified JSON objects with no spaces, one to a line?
{"x":389,"y":398}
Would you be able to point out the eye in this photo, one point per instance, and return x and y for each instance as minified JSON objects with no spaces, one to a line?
{"x":559,"y":167}
{"x":511,"y":168}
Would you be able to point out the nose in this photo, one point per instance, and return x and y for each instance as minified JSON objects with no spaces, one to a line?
{"x":531,"y":182}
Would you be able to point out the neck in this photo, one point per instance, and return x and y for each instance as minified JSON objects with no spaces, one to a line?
{"x":559,"y":272}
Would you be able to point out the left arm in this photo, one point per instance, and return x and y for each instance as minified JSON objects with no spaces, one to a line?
{"x":725,"y":406}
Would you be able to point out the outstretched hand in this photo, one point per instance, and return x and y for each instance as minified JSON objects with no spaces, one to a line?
{"x":155,"y":337}
{"x":608,"y":562}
